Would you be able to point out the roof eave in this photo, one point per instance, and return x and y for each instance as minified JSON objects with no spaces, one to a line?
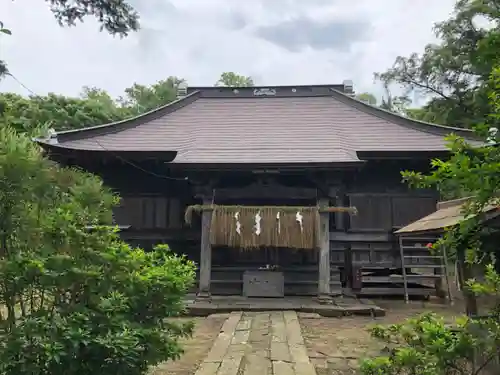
{"x":407,"y":230}
{"x":402,"y":154}
{"x":284,"y":166}
{"x":402,"y":120}
{"x":436,"y":231}
{"x":60,"y":151}
{"x":92,"y":131}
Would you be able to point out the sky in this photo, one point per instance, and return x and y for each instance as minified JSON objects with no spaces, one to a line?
{"x":277,"y":42}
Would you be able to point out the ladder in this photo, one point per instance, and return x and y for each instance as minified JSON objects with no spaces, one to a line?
{"x":408,"y":246}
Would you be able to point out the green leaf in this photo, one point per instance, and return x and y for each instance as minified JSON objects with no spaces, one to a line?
{"x":91,"y":303}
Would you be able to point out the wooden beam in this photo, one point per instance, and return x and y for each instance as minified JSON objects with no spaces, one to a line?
{"x":321,"y":209}
{"x":361,"y":237}
{"x":265,"y":191}
{"x":339,"y":209}
{"x":324,"y":253}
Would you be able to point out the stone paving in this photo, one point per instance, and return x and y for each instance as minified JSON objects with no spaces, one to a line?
{"x":341,"y":306}
{"x":258,"y":343}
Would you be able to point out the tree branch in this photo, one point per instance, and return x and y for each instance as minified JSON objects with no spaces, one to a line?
{"x":412,"y":82}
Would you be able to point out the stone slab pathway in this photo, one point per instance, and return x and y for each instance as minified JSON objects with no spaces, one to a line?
{"x":258,"y":343}
{"x":342,"y":306}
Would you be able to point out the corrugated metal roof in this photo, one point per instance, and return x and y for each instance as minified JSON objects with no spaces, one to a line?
{"x":448,"y":216}
{"x":292,"y":129}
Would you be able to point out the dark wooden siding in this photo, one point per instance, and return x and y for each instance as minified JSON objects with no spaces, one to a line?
{"x":154,"y":211}
{"x":382,"y":212}
{"x":374,"y":212}
{"x":150,"y":212}
{"x":369,"y":245}
{"x":407,"y":209}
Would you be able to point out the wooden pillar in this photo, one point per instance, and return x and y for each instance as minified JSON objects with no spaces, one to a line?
{"x":205,"y":252}
{"x":324,"y":254}
{"x":340,"y":217}
{"x":439,"y":281}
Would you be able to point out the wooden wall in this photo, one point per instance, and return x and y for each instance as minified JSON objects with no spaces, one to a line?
{"x":300,"y":269}
{"x":368,"y":245}
{"x":381,"y":212}
{"x":150,"y":212}
{"x":364,"y":245}
{"x":154,"y":210}
{"x":370,"y":233}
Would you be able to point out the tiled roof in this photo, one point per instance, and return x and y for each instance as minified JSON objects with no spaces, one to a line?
{"x":205,"y":128}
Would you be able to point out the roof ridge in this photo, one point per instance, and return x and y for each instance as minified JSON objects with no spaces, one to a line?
{"x":402,"y":120}
{"x":326,"y":85}
{"x":117,"y":125}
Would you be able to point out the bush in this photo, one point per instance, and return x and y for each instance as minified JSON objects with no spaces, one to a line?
{"x":425,"y":345}
{"x":78,"y":301}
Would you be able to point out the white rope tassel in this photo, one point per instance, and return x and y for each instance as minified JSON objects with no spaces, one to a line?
{"x":238,"y":224}
{"x":279,"y":222}
{"x":257,"y":227}
{"x":299,"y":218}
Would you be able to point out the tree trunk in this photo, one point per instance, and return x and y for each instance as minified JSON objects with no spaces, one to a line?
{"x":466,"y":272}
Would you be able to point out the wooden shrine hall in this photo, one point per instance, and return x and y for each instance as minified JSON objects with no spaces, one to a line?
{"x":260,"y":186}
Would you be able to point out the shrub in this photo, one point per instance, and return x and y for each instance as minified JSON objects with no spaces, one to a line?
{"x":78,"y":300}
{"x":425,"y":345}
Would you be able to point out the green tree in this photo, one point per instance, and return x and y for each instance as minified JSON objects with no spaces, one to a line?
{"x":396,"y":104}
{"x":94,"y":106}
{"x":98,"y":95}
{"x":77,"y":300}
{"x":4,"y":30}
{"x":231,"y":79}
{"x":402,"y":106}
{"x":58,"y":112}
{"x":115,"y":16}
{"x":141,"y":98}
{"x":426,"y":346}
{"x":367,"y":97}
{"x":454,"y":73}
{"x":3,"y":65}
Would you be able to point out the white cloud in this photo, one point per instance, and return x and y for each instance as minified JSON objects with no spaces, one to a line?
{"x":277,"y":42}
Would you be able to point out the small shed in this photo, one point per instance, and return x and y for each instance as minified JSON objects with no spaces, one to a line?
{"x":448,"y":214}
{"x":428,"y":229}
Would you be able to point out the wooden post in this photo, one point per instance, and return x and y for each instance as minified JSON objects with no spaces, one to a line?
{"x":324,"y":254}
{"x":205,"y":252}
{"x":340,"y":217}
{"x":439,"y":286}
